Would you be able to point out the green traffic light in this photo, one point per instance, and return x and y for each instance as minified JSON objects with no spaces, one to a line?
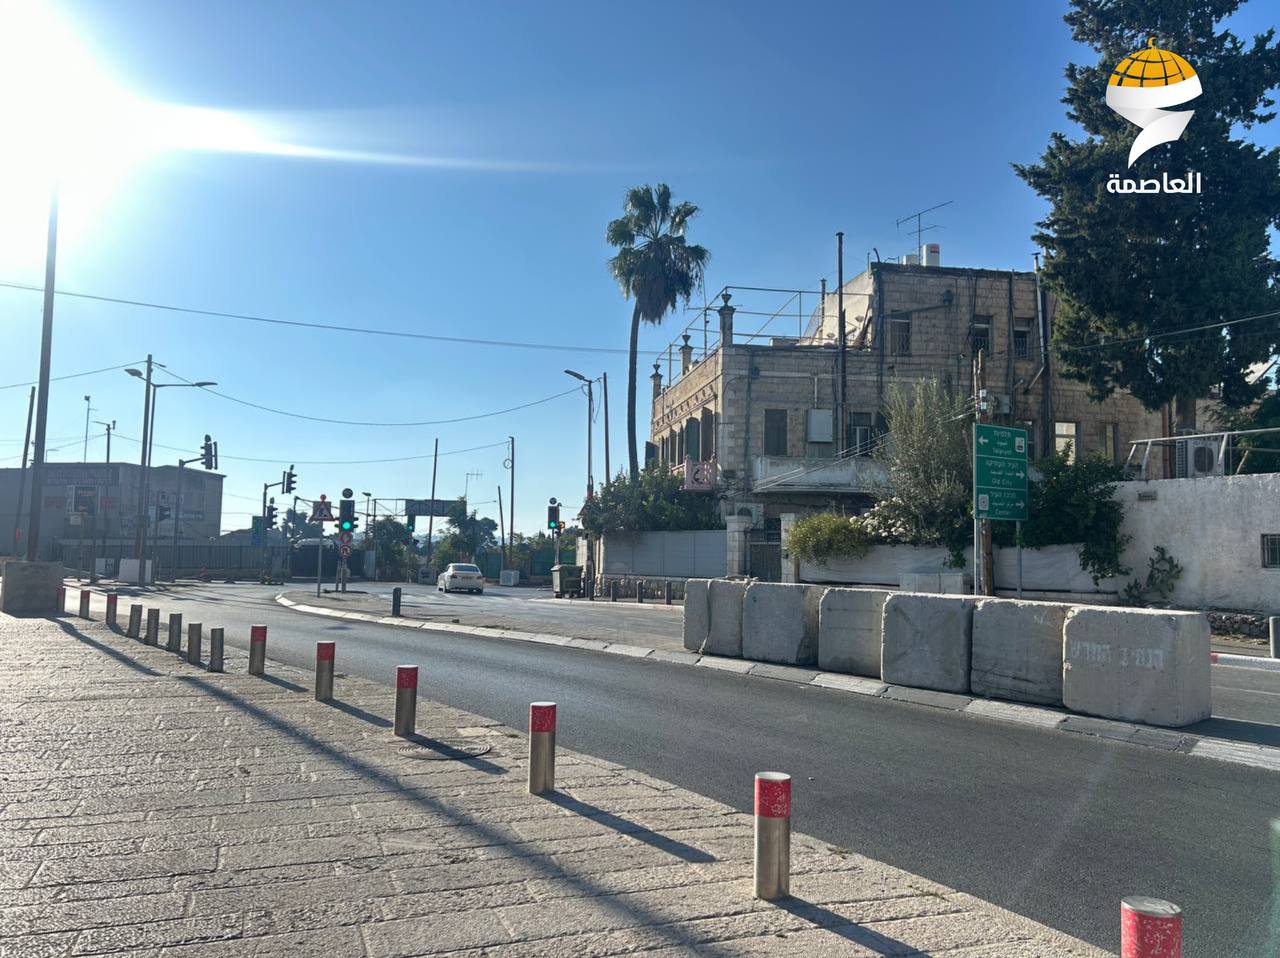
{"x":346,"y":525}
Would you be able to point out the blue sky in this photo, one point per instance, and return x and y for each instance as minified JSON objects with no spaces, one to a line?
{"x":783,"y":122}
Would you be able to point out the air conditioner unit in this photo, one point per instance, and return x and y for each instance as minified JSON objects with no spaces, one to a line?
{"x":1197,"y":458}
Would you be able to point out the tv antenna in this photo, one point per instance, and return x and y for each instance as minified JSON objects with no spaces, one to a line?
{"x":919,"y":218}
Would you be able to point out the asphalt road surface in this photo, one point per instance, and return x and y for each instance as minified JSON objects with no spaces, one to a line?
{"x":1054,"y":826}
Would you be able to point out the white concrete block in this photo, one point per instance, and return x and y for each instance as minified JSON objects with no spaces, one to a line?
{"x":30,"y":588}
{"x":920,"y":582}
{"x":724,"y":619}
{"x":1137,"y":665}
{"x":780,"y":623}
{"x":926,"y":641}
{"x":849,"y":636}
{"x":954,"y":583}
{"x":1017,"y":650}
{"x":697,"y":618}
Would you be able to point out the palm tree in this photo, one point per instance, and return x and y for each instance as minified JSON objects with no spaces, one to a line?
{"x":655,"y":266}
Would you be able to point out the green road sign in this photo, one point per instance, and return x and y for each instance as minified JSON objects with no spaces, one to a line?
{"x":999,"y":472}
{"x":256,"y":526}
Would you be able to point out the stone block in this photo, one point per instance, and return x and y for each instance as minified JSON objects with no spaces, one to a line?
{"x":926,"y":641}
{"x":1017,"y":650}
{"x":697,"y":618}
{"x":724,"y":614}
{"x":920,"y":582}
{"x":849,"y":636}
{"x":780,"y":623}
{"x":954,"y":583}
{"x":1137,"y":665}
{"x":30,"y":588}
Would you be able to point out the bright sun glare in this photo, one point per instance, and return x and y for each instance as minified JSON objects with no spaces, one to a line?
{"x":69,"y":122}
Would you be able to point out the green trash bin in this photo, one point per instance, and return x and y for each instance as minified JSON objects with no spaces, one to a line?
{"x":566,"y":580}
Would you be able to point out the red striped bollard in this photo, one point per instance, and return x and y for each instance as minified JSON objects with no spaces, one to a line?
{"x":134,"y":629}
{"x":112,"y":601}
{"x":773,"y":835}
{"x":542,"y":748}
{"x":1150,"y":928}
{"x":325,"y":652}
{"x":257,"y":649}
{"x":84,"y":603}
{"x":406,"y":700}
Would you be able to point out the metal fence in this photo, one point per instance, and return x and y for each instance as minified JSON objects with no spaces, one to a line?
{"x":190,"y":557}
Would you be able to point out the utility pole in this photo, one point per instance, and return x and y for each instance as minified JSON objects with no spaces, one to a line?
{"x":431,"y":519}
{"x":140,"y":534}
{"x":110,"y":426}
{"x":841,"y":440}
{"x":511,"y":501}
{"x":502,"y":529}
{"x":42,"y":392}
{"x":604,"y":388}
{"x":22,"y":474}
{"x":88,"y":411}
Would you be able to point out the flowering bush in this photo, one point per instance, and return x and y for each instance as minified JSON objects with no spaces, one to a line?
{"x":824,"y":536}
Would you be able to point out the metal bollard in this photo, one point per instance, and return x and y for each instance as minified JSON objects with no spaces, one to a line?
{"x":84,"y":603}
{"x":542,"y":748}
{"x":406,"y":700}
{"x":135,"y":621}
{"x":640,"y":590}
{"x":325,"y":652}
{"x":1273,"y":624}
{"x":112,"y":606}
{"x":773,"y":835}
{"x":666,"y":592}
{"x":62,"y":599}
{"x":153,"y":627}
{"x":175,"y":632}
{"x":1150,"y":928}
{"x":215,"y":650}
{"x":257,"y":649}
{"x":195,"y":632}
{"x":395,"y":601}
{"x":613,"y":590}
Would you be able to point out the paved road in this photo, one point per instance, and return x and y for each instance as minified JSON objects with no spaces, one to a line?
{"x":1054,"y":826}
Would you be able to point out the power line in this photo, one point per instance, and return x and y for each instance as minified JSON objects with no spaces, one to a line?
{"x":331,"y":327}
{"x":354,"y":422}
{"x":322,"y":462}
{"x":1172,"y":332}
{"x":90,"y":372}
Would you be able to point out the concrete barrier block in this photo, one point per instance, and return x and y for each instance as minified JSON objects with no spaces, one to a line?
{"x":30,"y":588}
{"x":697,"y":614}
{"x":849,"y":622}
{"x":724,"y":604}
{"x":1137,"y":665}
{"x":954,"y":583}
{"x":920,"y":582}
{"x":1017,"y":650}
{"x":780,"y":623}
{"x":926,"y":641}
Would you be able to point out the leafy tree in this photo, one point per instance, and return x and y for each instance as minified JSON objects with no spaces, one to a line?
{"x":296,"y":526}
{"x":655,"y":267}
{"x":466,"y":533}
{"x":653,"y":502}
{"x":1126,"y":268}
{"x":1254,"y":454}
{"x":926,"y":456}
{"x":393,"y":544}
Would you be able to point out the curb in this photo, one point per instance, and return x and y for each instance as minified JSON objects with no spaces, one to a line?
{"x":1147,"y":736}
{"x":1259,"y":662}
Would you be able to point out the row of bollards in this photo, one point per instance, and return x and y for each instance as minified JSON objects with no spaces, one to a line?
{"x":1149,"y":927}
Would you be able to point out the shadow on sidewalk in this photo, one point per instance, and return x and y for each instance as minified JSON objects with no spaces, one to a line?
{"x":456,"y":754}
{"x":120,"y":657}
{"x":626,"y":827}
{"x":283,"y":683}
{"x":1236,"y":730}
{"x":836,"y":924}
{"x":659,"y":925}
{"x":356,"y":712}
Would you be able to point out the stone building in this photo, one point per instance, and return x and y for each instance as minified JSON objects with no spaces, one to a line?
{"x":97,"y":503}
{"x":759,"y":422}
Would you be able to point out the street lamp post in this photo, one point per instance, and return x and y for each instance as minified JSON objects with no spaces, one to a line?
{"x":88,"y":411}
{"x":109,"y":426}
{"x":591,"y":415}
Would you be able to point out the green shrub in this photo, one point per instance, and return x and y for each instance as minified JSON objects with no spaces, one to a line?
{"x":824,"y":536}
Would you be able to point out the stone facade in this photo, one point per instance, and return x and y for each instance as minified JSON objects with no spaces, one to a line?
{"x":766,"y":414}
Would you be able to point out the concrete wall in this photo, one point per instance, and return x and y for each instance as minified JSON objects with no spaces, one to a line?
{"x":849,"y":630}
{"x":780,"y":623}
{"x":927,"y":641}
{"x":700,"y":554}
{"x":1213,"y":527}
{"x":1017,"y":650}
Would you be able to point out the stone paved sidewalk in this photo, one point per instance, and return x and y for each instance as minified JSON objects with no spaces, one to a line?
{"x":151,"y":809}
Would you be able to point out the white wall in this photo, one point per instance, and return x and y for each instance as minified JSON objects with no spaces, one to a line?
{"x":1213,"y":527}
{"x":701,"y":554}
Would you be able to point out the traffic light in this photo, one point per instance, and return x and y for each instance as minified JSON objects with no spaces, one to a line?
{"x":209,"y":453}
{"x":410,"y":523}
{"x":553,"y":518}
{"x":347,"y":520}
{"x":271,"y":514}
{"x":290,"y":481}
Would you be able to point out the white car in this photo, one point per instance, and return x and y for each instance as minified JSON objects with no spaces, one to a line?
{"x":460,"y":577}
